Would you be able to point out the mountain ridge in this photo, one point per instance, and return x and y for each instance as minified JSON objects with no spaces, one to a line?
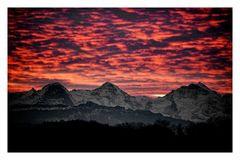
{"x":195,"y":102}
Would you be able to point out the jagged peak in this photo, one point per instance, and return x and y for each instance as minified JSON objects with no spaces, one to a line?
{"x":32,"y":90}
{"x":203,"y":85}
{"x":54,"y":84}
{"x":200,"y":85}
{"x":107,"y":86}
{"x":193,"y":88}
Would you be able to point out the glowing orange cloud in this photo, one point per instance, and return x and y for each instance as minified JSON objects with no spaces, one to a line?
{"x":144,"y":51}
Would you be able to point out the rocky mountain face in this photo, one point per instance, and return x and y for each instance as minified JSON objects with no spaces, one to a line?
{"x":109,"y":95}
{"x":51,"y":94}
{"x":195,"y":102}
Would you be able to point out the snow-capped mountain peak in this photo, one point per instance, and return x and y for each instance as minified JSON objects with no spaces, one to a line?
{"x":55,"y":93}
{"x":108,"y":86}
{"x":203,"y":86}
{"x":195,"y":102}
{"x":56,"y":86}
{"x":109,"y":89}
{"x":198,"y":85}
{"x":193,"y":90}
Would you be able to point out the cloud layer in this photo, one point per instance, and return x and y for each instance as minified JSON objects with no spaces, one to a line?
{"x":144,"y":51}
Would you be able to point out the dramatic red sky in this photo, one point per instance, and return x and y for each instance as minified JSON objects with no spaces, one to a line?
{"x":143,"y":51}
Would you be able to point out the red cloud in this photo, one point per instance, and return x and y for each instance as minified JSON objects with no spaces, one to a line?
{"x":145,"y":52}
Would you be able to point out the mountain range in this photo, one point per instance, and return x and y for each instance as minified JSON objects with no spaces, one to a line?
{"x":195,"y":102}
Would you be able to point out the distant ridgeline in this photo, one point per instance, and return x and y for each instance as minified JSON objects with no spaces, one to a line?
{"x":111,"y":105}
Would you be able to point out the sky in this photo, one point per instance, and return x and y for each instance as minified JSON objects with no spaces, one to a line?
{"x":144,"y":51}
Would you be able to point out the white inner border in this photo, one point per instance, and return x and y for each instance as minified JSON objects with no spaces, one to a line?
{"x":4,"y":4}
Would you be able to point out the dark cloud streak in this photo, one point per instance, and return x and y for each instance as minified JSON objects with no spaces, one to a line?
{"x":147,"y":48}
